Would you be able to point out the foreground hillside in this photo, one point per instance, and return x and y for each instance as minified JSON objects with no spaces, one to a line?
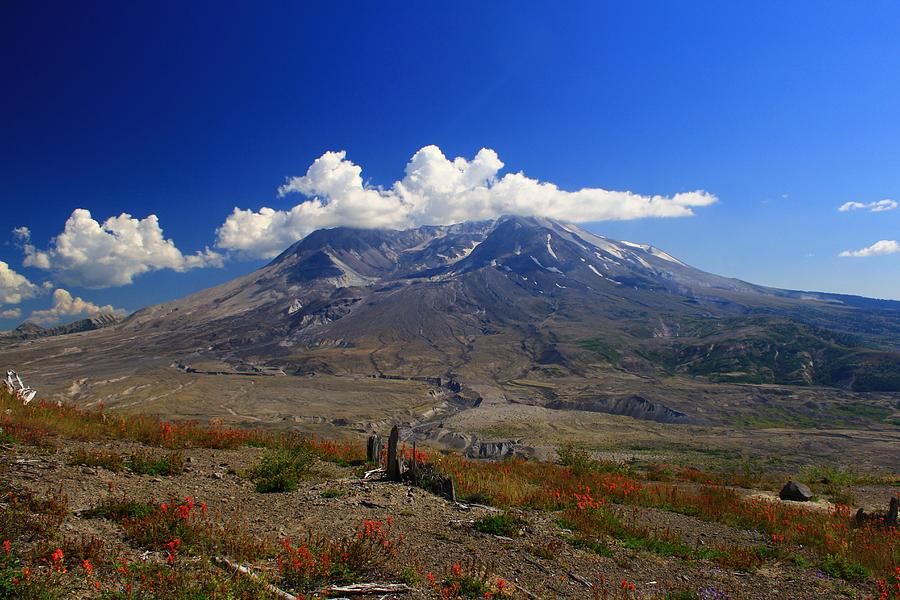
{"x":103,"y":505}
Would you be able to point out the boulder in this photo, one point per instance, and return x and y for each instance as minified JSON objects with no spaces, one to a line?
{"x":795,"y":491}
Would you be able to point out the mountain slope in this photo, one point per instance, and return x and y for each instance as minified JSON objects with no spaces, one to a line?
{"x":512,"y":316}
{"x":529,"y":293}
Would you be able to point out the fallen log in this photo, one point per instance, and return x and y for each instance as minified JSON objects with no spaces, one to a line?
{"x":580,"y":579}
{"x":372,"y":472}
{"x":369,"y":588}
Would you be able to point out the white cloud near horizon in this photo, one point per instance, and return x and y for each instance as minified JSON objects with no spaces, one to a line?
{"x":11,"y":313}
{"x":94,"y":255}
{"x":875,"y":207}
{"x":879,"y":248}
{"x":434,"y":191}
{"x":15,"y":287}
{"x":67,"y":306}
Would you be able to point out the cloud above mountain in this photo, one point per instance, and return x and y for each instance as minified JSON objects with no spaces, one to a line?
{"x":434,"y":190}
{"x":94,"y":255}
{"x":65,"y":306}
{"x":875,"y":207}
{"x":877,"y":249}
{"x":15,"y":287}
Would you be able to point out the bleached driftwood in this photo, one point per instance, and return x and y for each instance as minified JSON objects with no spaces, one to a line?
{"x":580,"y":579}
{"x":224,"y":563}
{"x":17,"y":388}
{"x":369,"y":588}
{"x":372,"y":472}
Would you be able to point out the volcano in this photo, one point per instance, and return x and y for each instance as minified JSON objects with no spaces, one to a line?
{"x":541,"y":312}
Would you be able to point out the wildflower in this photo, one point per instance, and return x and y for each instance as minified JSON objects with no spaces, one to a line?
{"x":7,"y":547}
{"x":88,"y":567}
{"x":57,"y":558}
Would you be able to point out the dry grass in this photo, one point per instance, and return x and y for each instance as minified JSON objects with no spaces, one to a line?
{"x":40,"y":563}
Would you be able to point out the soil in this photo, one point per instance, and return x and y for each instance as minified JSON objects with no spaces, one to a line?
{"x":438,"y":533}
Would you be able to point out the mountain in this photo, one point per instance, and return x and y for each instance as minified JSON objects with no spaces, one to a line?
{"x":29,"y":330}
{"x":502,"y":300}
{"x":526,"y":312}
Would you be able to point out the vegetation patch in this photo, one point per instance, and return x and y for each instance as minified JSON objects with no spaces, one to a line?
{"x":504,"y":524}
{"x":318,"y":560}
{"x":281,"y":469}
{"x":111,"y":461}
{"x":334,"y":493}
{"x":119,"y":509}
{"x":600,"y":348}
{"x":186,"y":526}
{"x":470,"y":580}
{"x":842,"y":567}
{"x":147,"y":464}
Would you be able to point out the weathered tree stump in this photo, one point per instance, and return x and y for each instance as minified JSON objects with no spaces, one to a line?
{"x":449,"y":489}
{"x":893,"y":509}
{"x":393,"y":458}
{"x":373,"y":449}
{"x":414,"y":465}
{"x":886,"y":519}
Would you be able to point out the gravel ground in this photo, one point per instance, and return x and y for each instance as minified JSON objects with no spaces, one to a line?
{"x":437,"y":533}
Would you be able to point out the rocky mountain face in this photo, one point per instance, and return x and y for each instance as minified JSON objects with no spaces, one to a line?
{"x":29,"y":330}
{"x":518,"y":298}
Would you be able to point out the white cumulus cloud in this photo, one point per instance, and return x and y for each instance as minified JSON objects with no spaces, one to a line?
{"x":11,"y":313}
{"x":879,"y":206}
{"x":878,"y":248}
{"x":94,"y":255}
{"x":66,"y":306}
{"x":15,"y":287}
{"x":434,"y":190}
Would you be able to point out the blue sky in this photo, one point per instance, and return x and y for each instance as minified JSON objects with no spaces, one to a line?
{"x":783,"y":112}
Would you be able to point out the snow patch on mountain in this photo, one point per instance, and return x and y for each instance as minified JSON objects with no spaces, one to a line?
{"x":550,"y":248}
{"x":552,"y":269}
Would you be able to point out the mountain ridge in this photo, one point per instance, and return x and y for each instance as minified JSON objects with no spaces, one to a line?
{"x":345,"y":297}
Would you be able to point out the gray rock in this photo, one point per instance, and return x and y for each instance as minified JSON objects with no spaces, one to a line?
{"x":493,"y":450}
{"x":795,"y":491}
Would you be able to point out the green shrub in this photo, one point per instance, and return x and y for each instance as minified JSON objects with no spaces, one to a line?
{"x":578,"y":459}
{"x":281,"y":469}
{"x":119,"y":509}
{"x":829,"y":474}
{"x":146,"y":464}
{"x":410,"y":576}
{"x":97,"y":458}
{"x":595,"y":546}
{"x":843,"y":568}
{"x":505,"y":524}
